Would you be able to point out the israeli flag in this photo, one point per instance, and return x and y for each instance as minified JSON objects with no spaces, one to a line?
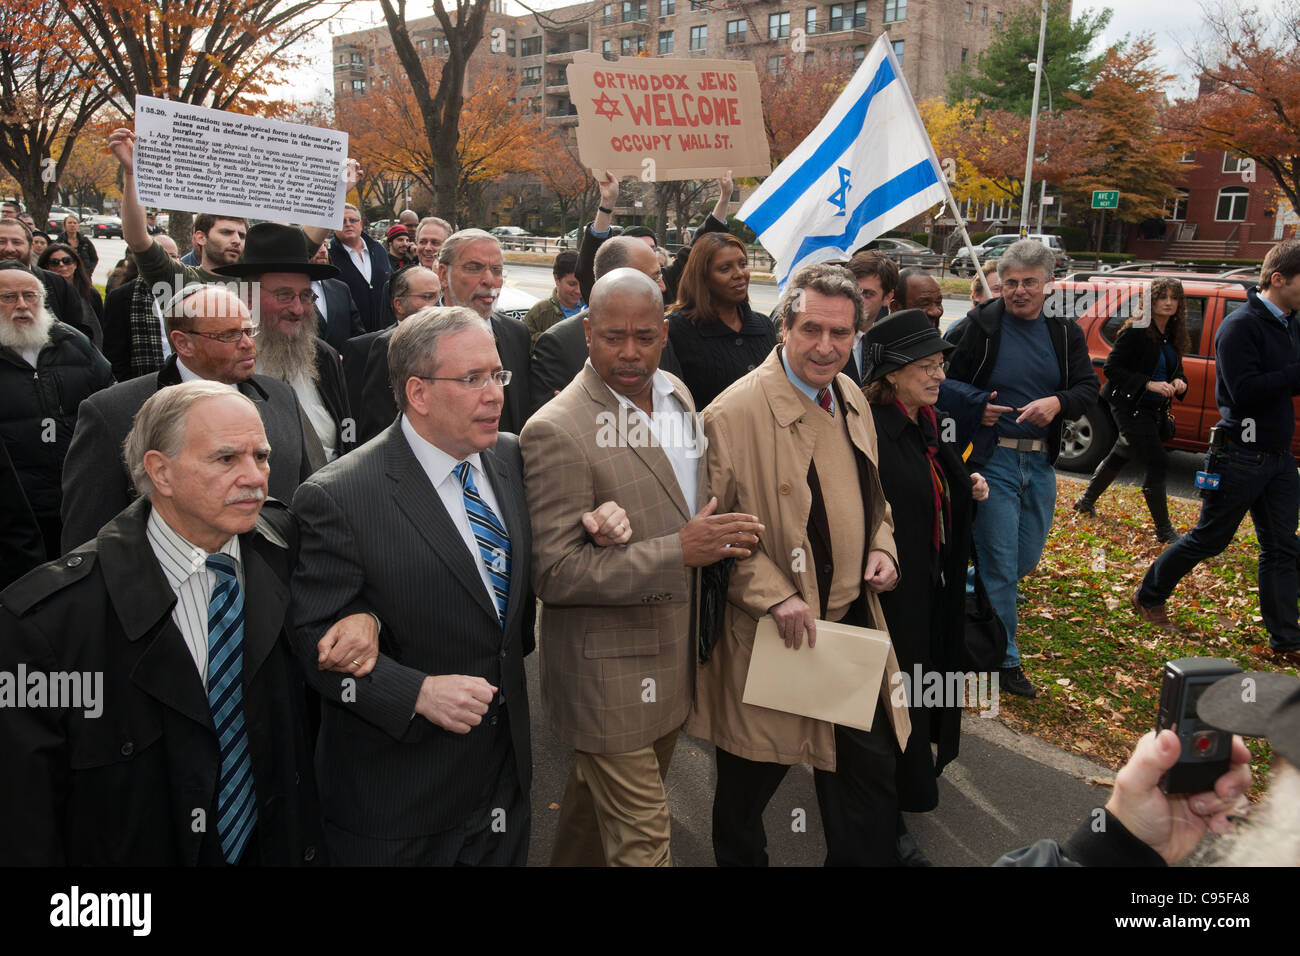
{"x":866,"y":168}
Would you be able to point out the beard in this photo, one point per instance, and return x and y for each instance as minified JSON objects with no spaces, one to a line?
{"x":27,"y":336}
{"x":286,"y":356}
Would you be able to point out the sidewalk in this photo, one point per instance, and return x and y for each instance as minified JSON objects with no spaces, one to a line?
{"x":1004,"y":791}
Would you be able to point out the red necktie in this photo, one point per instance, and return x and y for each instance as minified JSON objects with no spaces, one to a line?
{"x":824,"y":400}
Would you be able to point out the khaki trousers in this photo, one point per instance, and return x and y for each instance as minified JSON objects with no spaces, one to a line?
{"x":614,"y":811}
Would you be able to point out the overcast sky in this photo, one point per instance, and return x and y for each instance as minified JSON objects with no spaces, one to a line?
{"x":1173,"y":22}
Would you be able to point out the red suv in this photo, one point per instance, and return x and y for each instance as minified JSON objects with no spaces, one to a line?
{"x":1103,"y":303}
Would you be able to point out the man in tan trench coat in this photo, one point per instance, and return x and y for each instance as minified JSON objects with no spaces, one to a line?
{"x":794,"y":444}
{"x":617,"y":638}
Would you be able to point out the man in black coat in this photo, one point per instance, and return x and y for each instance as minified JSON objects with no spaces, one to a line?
{"x":96,"y":486}
{"x":337,"y":316}
{"x":135,"y":339}
{"x":362,"y":264}
{"x":412,"y":289}
{"x":561,"y":351}
{"x":276,"y":265}
{"x":427,"y":761}
{"x":170,"y":667}
{"x":46,"y":370}
{"x":471,"y":270}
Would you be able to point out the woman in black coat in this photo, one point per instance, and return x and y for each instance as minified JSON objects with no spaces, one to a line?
{"x":931,"y":494}
{"x":716,"y":336}
{"x":1144,"y":373}
{"x":63,"y":260}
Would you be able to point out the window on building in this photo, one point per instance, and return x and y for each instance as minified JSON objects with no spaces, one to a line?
{"x":735,"y":32}
{"x":700,"y":37}
{"x":997,"y":19}
{"x":530,"y":46}
{"x":848,"y":16}
{"x":667,"y":7}
{"x":898,"y":51}
{"x":532,"y":76}
{"x":984,"y":17}
{"x":359,"y":85}
{"x":1188,"y":157}
{"x":607,"y":15}
{"x":859,"y":54}
{"x":808,"y":58}
{"x":1232,"y":204}
{"x":604,"y":48}
{"x":1232,"y":162}
{"x":633,"y":10}
{"x":964,"y":53}
{"x":778,"y":26}
{"x":860,"y":14}
{"x":895,"y":10}
{"x":666,"y":43}
{"x":774,"y":63}
{"x":970,"y":12}
{"x":1178,"y":212}
{"x":630,"y":46}
{"x":810,"y":21}
{"x":697,"y":5}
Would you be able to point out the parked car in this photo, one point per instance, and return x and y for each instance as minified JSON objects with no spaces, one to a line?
{"x":105,"y":227}
{"x":378,"y":230}
{"x":56,"y":216}
{"x":961,"y":263}
{"x":1210,"y":299}
{"x":515,"y":302}
{"x":513,"y":238}
{"x":893,"y":247}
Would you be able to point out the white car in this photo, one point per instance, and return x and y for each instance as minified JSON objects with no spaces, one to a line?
{"x":514,"y":302}
{"x":961,"y":264}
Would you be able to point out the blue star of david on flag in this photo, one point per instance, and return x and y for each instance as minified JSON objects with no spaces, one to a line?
{"x":840,"y":198}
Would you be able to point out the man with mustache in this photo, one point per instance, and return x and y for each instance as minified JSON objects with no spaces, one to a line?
{"x":195,"y":733}
{"x":211,"y":334}
{"x":618,"y":617}
{"x":46,"y":369}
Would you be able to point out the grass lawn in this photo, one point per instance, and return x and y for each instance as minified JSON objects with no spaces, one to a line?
{"x":1097,"y":666}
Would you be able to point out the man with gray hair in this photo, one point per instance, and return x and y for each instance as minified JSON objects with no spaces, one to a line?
{"x":429,"y":235}
{"x":427,"y":761}
{"x":186,"y":704}
{"x":1016,"y":375}
{"x":602,"y":602}
{"x":211,"y":334}
{"x":471,"y":272}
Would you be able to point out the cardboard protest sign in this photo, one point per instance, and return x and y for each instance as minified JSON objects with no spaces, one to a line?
{"x":198,"y":159}
{"x":662,"y":118}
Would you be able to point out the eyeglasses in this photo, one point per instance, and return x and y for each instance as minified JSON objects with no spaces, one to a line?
{"x":478,"y":268}
{"x":61,"y":261}
{"x":228,"y":337}
{"x":933,"y":369}
{"x":476,"y":382}
{"x":351,"y":221}
{"x":1029,"y":285}
{"x":285,"y":297}
{"x":29,"y":298}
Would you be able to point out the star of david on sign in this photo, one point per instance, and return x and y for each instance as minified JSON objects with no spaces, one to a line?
{"x":840,"y":198}
{"x":607,"y":107}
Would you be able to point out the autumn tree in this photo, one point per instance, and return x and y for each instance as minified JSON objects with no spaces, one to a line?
{"x":1132,"y":151}
{"x":947,"y":125}
{"x":1001,"y":79}
{"x":439,"y":105}
{"x":45,"y":99}
{"x":91,"y":172}
{"x":797,"y":96}
{"x":568,"y":181}
{"x":1250,"y":97}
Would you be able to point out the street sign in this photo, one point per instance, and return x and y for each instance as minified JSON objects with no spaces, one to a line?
{"x":1105,"y":199}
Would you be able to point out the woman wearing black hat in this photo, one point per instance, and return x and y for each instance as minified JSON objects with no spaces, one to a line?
{"x":930,"y":491}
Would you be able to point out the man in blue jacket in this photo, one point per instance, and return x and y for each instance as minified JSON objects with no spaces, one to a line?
{"x":1257,"y":361}
{"x":1016,"y":375}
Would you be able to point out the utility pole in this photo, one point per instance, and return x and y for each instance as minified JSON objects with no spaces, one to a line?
{"x":1025,"y":193}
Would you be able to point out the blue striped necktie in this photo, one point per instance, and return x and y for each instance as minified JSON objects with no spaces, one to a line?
{"x":493,"y":541}
{"x":236,"y":801}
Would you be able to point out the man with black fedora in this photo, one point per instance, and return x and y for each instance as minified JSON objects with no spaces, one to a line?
{"x":276,"y":274}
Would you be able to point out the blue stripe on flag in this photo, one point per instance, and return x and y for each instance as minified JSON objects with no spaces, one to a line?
{"x":844,"y":135}
{"x":878,"y":202}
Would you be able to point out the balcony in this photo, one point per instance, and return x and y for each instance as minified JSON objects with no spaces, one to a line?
{"x":847,"y":23}
{"x":557,"y":84}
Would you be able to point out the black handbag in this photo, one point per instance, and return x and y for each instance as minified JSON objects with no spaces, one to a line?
{"x":714,"y":580}
{"x":984,"y":646}
{"x":1165,"y":422}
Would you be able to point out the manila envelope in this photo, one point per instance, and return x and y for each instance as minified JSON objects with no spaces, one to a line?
{"x":838,"y":680}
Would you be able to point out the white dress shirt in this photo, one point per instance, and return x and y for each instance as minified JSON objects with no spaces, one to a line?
{"x":319,"y":288}
{"x":360,"y":259}
{"x":322,"y":422}
{"x":185,"y":568}
{"x":676,"y":432}
{"x":438,"y":465}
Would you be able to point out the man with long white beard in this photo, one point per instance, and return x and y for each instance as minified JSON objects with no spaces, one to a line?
{"x":277,"y":260}
{"x":46,"y":369}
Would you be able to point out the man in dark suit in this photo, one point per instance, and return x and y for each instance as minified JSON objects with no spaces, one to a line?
{"x":276,"y":268}
{"x":413,"y":289}
{"x":877,"y":278}
{"x":561,"y":351}
{"x":95,"y":484}
{"x":471,"y":270}
{"x":426,"y":761}
{"x":180,"y":704}
{"x":337,"y":316}
{"x":363,"y":265}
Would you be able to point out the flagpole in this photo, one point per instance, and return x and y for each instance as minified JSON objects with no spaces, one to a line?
{"x":938,"y":170}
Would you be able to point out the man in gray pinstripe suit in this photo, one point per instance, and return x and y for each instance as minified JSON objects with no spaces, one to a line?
{"x":426,"y":760}
{"x":618,"y":626}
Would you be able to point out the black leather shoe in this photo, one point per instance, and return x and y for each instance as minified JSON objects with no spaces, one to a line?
{"x":909,"y":854}
{"x":1014,"y":681}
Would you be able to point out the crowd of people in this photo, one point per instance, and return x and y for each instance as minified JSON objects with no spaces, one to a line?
{"x":306,"y":501}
